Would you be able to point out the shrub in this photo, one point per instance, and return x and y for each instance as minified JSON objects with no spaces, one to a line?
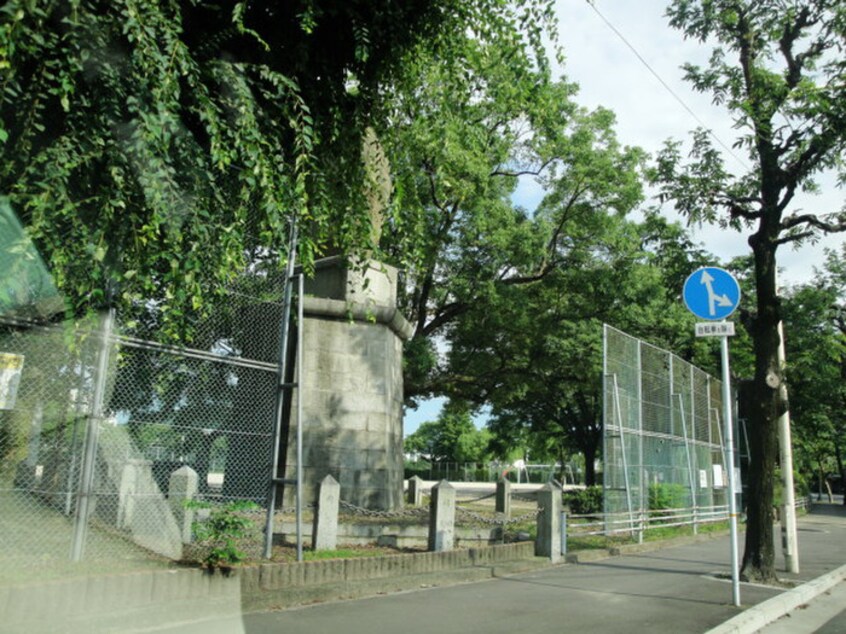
{"x":587,"y":501}
{"x":421,"y":469}
{"x":222,"y":532}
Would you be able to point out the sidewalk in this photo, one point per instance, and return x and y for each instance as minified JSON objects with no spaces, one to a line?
{"x":672,"y":590}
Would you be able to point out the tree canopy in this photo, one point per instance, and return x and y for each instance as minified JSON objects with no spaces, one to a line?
{"x":158,"y":149}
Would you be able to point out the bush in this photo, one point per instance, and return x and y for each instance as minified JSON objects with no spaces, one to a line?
{"x":420,"y":469}
{"x":221,"y":534}
{"x":587,"y":501}
{"x":667,"y":496}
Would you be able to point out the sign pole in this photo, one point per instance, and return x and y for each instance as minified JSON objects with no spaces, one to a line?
{"x":713,"y":294}
{"x":729,"y":434}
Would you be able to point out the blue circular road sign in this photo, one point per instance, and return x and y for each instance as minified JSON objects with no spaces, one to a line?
{"x":711,"y":293}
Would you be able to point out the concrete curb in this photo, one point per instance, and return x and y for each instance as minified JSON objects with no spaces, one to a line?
{"x":758,"y":616}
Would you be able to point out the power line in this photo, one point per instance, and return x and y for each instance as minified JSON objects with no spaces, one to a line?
{"x":666,"y":86}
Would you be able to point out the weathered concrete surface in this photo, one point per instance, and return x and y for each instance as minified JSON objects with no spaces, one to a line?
{"x":548,"y":541}
{"x":397,"y":535}
{"x":825,"y":614}
{"x":148,"y":600}
{"x":442,"y":517}
{"x":351,"y":386}
{"x":325,"y":533}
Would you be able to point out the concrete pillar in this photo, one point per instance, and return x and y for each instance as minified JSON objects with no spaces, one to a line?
{"x":182,"y":487}
{"x":324,"y":535}
{"x":352,"y":393}
{"x":414,"y":495}
{"x":442,"y":517}
{"x":548,"y":542}
{"x":503,"y":497}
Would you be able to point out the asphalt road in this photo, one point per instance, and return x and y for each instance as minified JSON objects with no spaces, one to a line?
{"x":673,"y":591}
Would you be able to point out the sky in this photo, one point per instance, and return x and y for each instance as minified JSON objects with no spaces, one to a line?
{"x":611,"y":75}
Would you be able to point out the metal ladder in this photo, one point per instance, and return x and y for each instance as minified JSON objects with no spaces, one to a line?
{"x":285,"y":390}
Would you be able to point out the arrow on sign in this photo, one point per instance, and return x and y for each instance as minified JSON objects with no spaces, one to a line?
{"x":714,"y":300}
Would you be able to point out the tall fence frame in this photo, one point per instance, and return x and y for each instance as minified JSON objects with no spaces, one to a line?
{"x":662,"y":440}
{"x":106,"y":410}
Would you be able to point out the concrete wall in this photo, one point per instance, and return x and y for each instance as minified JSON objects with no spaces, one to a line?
{"x":142,"y":600}
{"x":352,"y":386}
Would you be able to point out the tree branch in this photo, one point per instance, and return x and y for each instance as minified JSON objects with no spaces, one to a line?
{"x":444,"y":315}
{"x":736,"y":206}
{"x":812,"y":221}
{"x":528,"y":172}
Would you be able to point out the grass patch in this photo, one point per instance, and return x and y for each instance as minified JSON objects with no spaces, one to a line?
{"x":345,"y":553}
{"x":36,"y":543}
{"x":287,"y":553}
{"x":654,"y":534}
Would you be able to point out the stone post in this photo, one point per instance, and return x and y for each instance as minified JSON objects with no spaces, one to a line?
{"x":442,"y":517}
{"x":503,"y":497}
{"x":324,"y":535}
{"x":181,"y":487}
{"x":548,"y":542}
{"x":414,"y":496}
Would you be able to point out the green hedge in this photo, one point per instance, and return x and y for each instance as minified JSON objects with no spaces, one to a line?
{"x":587,"y":501}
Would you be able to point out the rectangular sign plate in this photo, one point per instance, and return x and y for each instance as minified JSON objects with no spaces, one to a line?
{"x":715,"y":329}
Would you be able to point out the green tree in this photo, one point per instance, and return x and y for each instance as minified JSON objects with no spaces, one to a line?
{"x":451,"y":438}
{"x":775,"y":68}
{"x":816,"y":369}
{"x":539,"y":355}
{"x":160,"y":148}
{"x":460,"y":137}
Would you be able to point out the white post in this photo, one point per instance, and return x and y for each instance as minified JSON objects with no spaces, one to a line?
{"x":732,"y":497}
{"x":183,"y":485}
{"x":442,"y":517}
{"x":789,"y":542}
{"x":641,"y":475}
{"x":324,"y":535}
{"x":548,"y":541}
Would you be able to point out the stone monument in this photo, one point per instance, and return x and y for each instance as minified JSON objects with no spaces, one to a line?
{"x":351,"y":385}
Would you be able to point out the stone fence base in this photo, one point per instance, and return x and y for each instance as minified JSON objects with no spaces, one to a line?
{"x":391,"y":535}
{"x":138,"y":601}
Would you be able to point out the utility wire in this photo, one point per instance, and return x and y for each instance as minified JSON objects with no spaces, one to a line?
{"x":675,"y":95}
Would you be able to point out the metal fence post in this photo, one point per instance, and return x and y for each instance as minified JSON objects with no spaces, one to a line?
{"x":89,"y":459}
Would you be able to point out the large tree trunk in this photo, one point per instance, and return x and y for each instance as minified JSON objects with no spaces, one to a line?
{"x":764,"y":409}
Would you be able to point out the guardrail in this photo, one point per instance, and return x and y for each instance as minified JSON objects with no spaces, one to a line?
{"x":608,"y":524}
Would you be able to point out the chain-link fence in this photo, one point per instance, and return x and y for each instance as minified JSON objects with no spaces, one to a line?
{"x":96,"y":416}
{"x":663,"y":444}
{"x":491,"y":472}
